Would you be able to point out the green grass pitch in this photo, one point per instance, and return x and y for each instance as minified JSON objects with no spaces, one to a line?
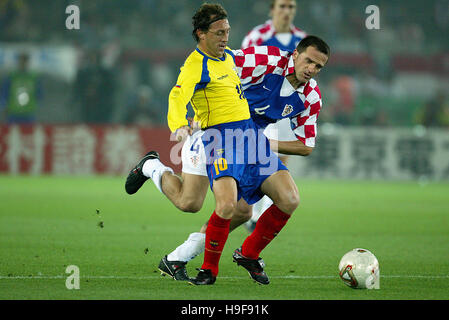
{"x":49,"y":223}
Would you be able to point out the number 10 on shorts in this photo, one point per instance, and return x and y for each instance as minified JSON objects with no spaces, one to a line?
{"x":220,"y":164}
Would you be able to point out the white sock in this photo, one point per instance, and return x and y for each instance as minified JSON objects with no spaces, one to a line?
{"x":153,"y":168}
{"x":260,"y":207}
{"x":193,"y":246}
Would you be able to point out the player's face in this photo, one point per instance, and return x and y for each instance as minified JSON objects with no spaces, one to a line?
{"x":308,"y":63}
{"x":215,"y":40}
{"x":284,"y":11}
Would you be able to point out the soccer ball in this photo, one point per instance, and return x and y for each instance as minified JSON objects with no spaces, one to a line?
{"x":359,"y":269}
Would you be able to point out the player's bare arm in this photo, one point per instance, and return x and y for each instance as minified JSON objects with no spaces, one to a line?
{"x":297,"y":148}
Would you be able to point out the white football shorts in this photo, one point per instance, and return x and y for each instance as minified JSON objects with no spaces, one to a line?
{"x":193,"y":155}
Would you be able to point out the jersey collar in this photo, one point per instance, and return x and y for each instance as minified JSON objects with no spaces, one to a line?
{"x":212,"y":58}
{"x":291,"y":69}
{"x":302,"y":87}
{"x":290,"y":65}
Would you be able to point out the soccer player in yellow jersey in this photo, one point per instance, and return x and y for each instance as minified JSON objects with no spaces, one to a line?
{"x":237,"y":171}
{"x":208,"y":80}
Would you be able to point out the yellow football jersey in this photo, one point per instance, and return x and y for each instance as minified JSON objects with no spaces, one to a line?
{"x":213,"y":88}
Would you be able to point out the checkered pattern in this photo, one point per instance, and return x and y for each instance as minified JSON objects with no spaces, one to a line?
{"x":263,"y":32}
{"x":304,"y":125}
{"x":254,"y":63}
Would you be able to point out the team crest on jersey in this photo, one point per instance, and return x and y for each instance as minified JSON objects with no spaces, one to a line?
{"x":287,"y":110}
{"x":195,"y":160}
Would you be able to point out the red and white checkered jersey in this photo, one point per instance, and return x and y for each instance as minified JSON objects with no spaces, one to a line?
{"x":254,"y":63}
{"x":304,"y":125}
{"x":263,"y":32}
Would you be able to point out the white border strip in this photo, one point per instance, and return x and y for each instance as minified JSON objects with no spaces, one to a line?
{"x":223,"y":277}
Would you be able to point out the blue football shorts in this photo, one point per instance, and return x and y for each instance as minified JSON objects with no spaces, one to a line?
{"x":240,"y":150}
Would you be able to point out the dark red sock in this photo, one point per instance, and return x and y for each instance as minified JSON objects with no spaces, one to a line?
{"x":216,"y":235}
{"x":268,"y":226}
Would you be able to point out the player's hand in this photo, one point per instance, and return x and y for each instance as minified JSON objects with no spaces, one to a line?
{"x":195,"y":125}
{"x":182,"y":133}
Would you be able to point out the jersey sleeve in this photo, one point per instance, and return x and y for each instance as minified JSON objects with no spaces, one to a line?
{"x":300,"y":34}
{"x":181,"y":94}
{"x":258,"y":35}
{"x":254,"y":62}
{"x":304,"y":125}
{"x":252,"y":39}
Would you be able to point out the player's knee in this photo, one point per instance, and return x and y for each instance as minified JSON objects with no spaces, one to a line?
{"x":226,"y":208}
{"x":293,"y":201}
{"x":289,"y":201}
{"x":190,"y":205}
{"x":243,"y":213}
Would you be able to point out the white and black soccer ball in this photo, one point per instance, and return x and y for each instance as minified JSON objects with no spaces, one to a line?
{"x":359,"y":269}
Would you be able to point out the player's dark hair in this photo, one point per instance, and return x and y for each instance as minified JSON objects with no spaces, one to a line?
{"x":207,"y":14}
{"x":315,"y":42}
{"x":273,"y":2}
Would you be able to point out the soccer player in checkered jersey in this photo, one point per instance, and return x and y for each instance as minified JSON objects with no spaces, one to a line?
{"x":280,"y":32}
{"x":277,"y":85}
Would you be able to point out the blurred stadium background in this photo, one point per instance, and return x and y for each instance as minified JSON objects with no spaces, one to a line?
{"x":102,"y":89}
